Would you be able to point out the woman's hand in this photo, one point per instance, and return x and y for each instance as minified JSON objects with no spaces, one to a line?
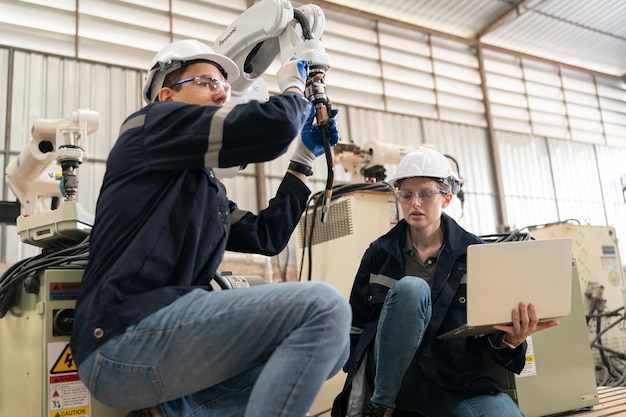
{"x":525,"y":322}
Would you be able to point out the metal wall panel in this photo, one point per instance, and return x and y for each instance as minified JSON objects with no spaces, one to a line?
{"x":526,"y":179}
{"x":468,"y":146}
{"x":536,"y":98}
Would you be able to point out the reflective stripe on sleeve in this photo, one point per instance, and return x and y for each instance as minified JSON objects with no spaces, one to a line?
{"x":216,"y":137}
{"x":136,"y":121}
{"x":236,"y":215}
{"x":356,"y":330}
{"x":383,"y":280}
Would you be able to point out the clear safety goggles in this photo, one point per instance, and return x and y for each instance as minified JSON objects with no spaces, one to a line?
{"x":209,"y":82}
{"x":425,"y":195}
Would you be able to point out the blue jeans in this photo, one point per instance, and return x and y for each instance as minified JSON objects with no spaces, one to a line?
{"x":403,"y":320}
{"x":404,"y":317}
{"x":434,"y":401}
{"x":266,"y":349}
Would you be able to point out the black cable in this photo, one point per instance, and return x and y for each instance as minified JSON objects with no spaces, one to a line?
{"x":304,"y":23}
{"x":27,"y":268}
{"x":513,"y":236}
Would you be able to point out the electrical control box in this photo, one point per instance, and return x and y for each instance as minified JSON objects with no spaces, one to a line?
{"x":602,"y":288}
{"x":38,"y":376}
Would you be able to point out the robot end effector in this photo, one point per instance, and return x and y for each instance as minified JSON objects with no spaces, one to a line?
{"x":46,"y":166}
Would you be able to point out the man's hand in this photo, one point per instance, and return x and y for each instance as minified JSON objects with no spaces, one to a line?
{"x":525,"y":322}
{"x":293,"y":74}
{"x":312,"y":144}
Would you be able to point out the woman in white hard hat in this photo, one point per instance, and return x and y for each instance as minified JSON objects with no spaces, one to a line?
{"x":410,"y":287}
{"x":150,"y":333}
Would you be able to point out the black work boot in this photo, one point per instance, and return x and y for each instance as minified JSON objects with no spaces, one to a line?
{"x":140,"y":413}
{"x":373,"y":410}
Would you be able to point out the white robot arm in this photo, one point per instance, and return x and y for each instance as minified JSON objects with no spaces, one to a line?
{"x":272,"y":28}
{"x":45,"y":167}
{"x":266,"y":30}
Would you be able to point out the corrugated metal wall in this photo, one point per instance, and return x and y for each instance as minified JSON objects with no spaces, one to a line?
{"x":560,"y":134}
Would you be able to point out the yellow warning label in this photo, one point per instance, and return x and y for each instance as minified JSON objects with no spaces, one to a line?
{"x":70,"y":412}
{"x":64,"y":363}
{"x":530,"y":358}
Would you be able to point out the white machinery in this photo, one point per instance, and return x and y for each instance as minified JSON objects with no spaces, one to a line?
{"x":45,"y":171}
{"x":367,"y":162}
{"x":38,"y":294}
{"x":272,"y":28}
{"x":603,"y":292}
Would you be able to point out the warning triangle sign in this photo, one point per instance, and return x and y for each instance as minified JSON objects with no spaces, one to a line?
{"x":64,"y":363}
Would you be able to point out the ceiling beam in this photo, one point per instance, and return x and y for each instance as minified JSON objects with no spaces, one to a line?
{"x":511,"y":14}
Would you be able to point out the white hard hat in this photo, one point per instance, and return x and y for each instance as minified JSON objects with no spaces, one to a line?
{"x":426,"y":162}
{"x":181,"y":53}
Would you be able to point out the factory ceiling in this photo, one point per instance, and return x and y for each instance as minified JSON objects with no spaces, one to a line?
{"x":585,"y":34}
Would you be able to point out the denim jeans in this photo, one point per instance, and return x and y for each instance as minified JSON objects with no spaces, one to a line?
{"x":433,"y":401}
{"x":404,"y":317}
{"x":266,"y":349}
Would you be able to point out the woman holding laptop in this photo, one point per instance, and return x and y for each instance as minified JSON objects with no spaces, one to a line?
{"x":410,"y":288}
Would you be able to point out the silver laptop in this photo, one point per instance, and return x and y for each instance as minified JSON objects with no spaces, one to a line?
{"x":501,"y":275}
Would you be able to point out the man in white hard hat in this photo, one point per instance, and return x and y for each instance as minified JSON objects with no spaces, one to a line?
{"x":409,"y":286}
{"x":150,"y":334}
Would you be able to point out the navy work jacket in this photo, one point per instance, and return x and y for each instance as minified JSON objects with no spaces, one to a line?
{"x":163,"y":220}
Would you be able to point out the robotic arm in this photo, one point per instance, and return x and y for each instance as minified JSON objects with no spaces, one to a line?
{"x":46,"y":169}
{"x":367,"y":161}
{"x":271,"y":28}
{"x":46,"y":166}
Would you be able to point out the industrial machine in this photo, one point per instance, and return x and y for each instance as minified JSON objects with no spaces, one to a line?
{"x":272,"y":28}
{"x":331,"y":251}
{"x":45,"y":172}
{"x":367,"y":163}
{"x":38,"y":294}
{"x":602,"y":289}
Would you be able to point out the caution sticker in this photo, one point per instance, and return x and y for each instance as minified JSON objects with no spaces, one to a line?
{"x":530,"y":368}
{"x":60,"y":291}
{"x":64,"y":363}
{"x":82,"y":411}
{"x":67,"y":395}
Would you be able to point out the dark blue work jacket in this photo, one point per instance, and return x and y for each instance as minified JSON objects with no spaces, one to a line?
{"x":163,"y":220}
{"x":456,"y":364}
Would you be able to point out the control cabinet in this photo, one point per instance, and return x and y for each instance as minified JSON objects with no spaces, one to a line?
{"x":38,"y":376}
